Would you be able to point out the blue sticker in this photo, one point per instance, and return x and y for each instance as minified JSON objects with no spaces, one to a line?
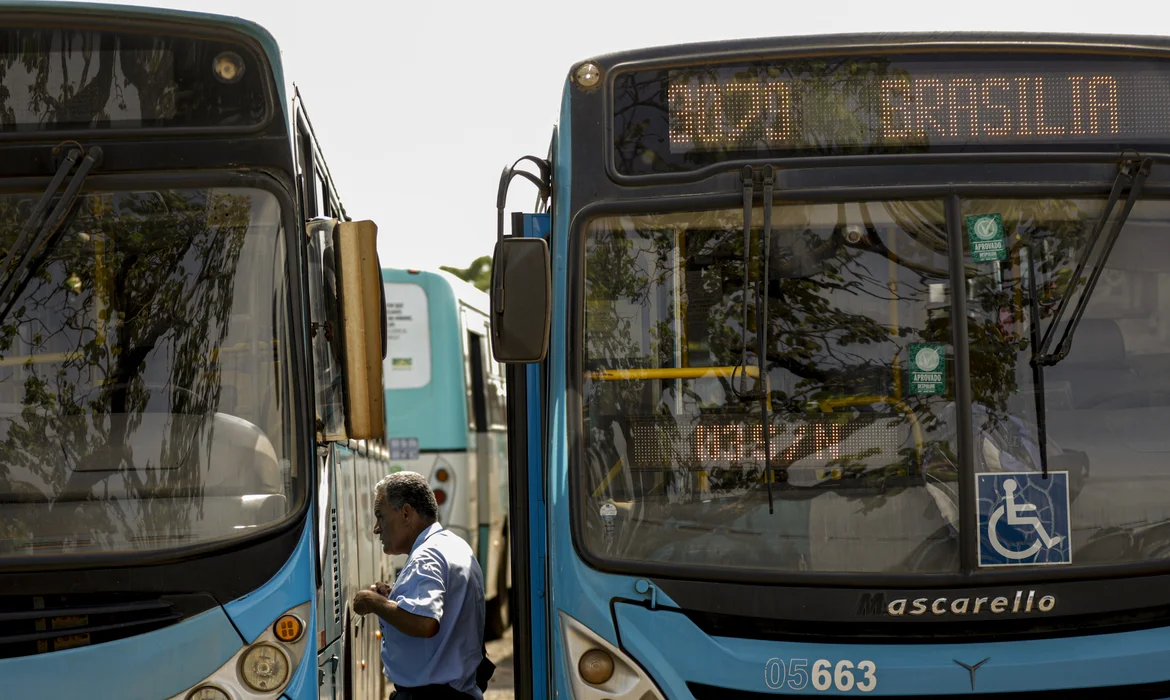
{"x":1023,"y":518}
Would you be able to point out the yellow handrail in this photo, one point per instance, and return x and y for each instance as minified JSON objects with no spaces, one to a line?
{"x":609,"y":375}
{"x":40,"y":358}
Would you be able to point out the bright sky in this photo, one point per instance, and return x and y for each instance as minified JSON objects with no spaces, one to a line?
{"x":418,"y":106}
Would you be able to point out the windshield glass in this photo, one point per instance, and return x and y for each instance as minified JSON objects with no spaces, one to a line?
{"x":859,"y":371}
{"x":144,"y":374}
{"x":1106,"y":405}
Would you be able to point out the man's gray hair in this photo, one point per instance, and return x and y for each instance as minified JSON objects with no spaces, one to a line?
{"x":401,"y":488}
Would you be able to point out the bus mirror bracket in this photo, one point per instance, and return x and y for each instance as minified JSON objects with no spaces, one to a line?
{"x":521,"y":277}
{"x":360,"y":297}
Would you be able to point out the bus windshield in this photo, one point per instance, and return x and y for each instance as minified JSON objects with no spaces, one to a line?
{"x":144,"y":375}
{"x":859,"y":372}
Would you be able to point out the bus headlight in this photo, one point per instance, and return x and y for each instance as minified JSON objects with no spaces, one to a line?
{"x":261,"y":669}
{"x":596,"y":666}
{"x":264,"y":667}
{"x":598,"y":670}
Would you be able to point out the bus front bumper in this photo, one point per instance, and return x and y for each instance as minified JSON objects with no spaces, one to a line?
{"x":686,"y":662}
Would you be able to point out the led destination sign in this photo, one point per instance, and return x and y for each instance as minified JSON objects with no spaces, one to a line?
{"x":935,"y":108}
{"x":672,"y":119}
{"x":658,"y":443}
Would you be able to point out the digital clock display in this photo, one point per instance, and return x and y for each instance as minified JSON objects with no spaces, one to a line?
{"x":681,"y":118}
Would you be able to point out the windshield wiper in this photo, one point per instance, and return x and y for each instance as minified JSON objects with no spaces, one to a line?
{"x":13,"y":267}
{"x":1037,"y":370}
{"x":762,"y":332}
{"x":761,"y":307}
{"x":1131,"y":173}
{"x":39,"y":209}
{"x":749,"y":191}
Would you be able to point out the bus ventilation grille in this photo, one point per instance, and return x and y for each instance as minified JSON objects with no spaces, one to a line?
{"x":40,"y":624}
{"x":336,"y":566}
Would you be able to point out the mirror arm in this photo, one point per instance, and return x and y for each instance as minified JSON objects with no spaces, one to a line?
{"x":543,"y":184}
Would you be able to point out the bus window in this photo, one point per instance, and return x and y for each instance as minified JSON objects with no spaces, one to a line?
{"x":327,"y":364}
{"x":477,"y":406}
{"x":497,"y":399}
{"x":320,"y":193}
{"x":408,"y":337}
{"x":305,"y":156}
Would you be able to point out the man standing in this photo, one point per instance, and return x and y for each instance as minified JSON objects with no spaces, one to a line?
{"x":432,"y":617}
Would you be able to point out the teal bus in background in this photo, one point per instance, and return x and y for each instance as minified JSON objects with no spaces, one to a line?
{"x":446,"y":415}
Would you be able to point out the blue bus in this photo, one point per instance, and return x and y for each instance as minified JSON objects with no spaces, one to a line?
{"x":838,"y":365}
{"x":189,"y":324}
{"x":446,"y":415}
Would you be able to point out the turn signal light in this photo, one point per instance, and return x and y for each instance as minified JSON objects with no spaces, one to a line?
{"x":288,"y":628}
{"x":442,"y":475}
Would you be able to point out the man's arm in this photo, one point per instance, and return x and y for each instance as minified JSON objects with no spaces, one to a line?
{"x":417,"y":605}
{"x":405,"y":622}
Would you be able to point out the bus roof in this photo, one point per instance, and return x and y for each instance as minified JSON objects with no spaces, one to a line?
{"x":463,"y":291}
{"x":76,"y":10}
{"x":908,"y":41}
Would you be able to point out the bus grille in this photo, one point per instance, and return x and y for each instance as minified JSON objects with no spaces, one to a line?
{"x":39,"y":624}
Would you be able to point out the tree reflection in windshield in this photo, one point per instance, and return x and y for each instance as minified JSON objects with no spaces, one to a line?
{"x":1107,"y":402}
{"x":674,"y":457}
{"x":864,"y":447}
{"x":139,"y":400}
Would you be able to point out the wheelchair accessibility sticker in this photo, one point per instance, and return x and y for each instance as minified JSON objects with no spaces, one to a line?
{"x":1023,"y":518}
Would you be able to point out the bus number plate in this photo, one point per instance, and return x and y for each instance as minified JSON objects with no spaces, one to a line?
{"x":822,"y":674}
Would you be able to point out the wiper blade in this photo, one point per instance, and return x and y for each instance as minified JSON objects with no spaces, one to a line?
{"x":749,"y":190}
{"x":761,"y":391}
{"x":39,"y":209}
{"x":12,"y":267}
{"x":762,"y":332}
{"x":1132,"y":173}
{"x":1037,"y":370}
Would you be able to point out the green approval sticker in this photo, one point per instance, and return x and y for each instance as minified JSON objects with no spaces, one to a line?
{"x":985,"y":232}
{"x":928,"y":369}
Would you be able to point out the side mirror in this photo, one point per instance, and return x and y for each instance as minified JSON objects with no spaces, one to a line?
{"x":359,"y":284}
{"x":521,"y":300}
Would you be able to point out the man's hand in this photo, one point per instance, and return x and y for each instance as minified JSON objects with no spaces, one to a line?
{"x":372,"y":600}
{"x":368,"y":601}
